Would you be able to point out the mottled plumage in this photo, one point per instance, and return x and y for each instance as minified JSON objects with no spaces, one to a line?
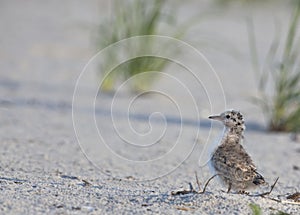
{"x":230,"y":160}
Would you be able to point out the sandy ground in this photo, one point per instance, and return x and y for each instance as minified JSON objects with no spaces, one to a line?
{"x":120,"y":168}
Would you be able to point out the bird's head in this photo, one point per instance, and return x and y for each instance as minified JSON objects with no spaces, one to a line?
{"x":231,"y":119}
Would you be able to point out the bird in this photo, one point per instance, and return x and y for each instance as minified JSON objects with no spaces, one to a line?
{"x":230,"y":161}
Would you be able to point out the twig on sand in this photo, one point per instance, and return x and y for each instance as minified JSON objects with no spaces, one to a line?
{"x":272,"y":187}
{"x":266,"y":193}
{"x":206,"y":184}
{"x":293,"y":199}
{"x":191,"y":187}
{"x":183,"y":192}
{"x":197,"y":181}
{"x":294,"y":196}
{"x":192,"y":190}
{"x":263,"y":195}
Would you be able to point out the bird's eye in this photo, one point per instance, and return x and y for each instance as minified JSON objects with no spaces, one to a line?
{"x":227,"y":116}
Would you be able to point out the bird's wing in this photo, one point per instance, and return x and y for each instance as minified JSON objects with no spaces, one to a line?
{"x":234,"y":163}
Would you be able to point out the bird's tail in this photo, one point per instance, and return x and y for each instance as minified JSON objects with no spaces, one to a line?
{"x":259,"y":179}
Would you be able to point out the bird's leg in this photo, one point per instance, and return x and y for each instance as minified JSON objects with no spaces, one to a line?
{"x":229,"y":187}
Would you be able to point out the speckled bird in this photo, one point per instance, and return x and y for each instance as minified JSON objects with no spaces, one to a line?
{"x":229,"y":160}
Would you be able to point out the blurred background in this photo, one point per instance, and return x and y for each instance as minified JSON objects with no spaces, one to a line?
{"x":45,"y":45}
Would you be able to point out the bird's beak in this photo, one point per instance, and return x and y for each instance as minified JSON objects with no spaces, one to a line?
{"x":216,"y":117}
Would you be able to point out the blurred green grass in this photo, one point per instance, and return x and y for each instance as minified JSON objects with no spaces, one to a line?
{"x":282,"y":106}
{"x":135,"y":18}
{"x":256,"y":210}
